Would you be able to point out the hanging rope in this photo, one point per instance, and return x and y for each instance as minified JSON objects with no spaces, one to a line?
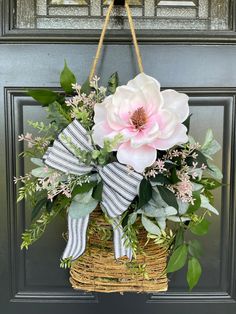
{"x":101,"y":40}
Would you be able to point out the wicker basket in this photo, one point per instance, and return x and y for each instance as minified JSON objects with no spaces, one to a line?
{"x":97,"y":270}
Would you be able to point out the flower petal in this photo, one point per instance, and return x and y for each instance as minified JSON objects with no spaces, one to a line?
{"x":100,"y":112}
{"x":138,"y":158}
{"x":142,"y":79}
{"x":177,"y":103}
{"x":145,"y":136}
{"x":167,"y":123}
{"x":101,"y":131}
{"x":150,"y":88}
{"x":179,"y":137}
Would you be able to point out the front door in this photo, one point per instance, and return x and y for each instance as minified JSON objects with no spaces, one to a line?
{"x":187,"y":45}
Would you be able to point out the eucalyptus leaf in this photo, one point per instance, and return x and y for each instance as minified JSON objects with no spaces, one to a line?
{"x":161,"y":223}
{"x":178,"y":218}
{"x":177,"y":259}
{"x":157,"y":200}
{"x":38,"y":162}
{"x":132,"y":218}
{"x":78,"y":210}
{"x":210,"y":146}
{"x":83,"y":198}
{"x":67,"y":78}
{"x":41,"y":172}
{"x":183,"y":207}
{"x":149,"y":210}
{"x":206,"y":204}
{"x":150,"y":226}
{"x":214,"y":171}
{"x":194,"y":272}
{"x":82,"y":205}
{"x":197,"y":186}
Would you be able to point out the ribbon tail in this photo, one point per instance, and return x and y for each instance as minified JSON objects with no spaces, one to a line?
{"x":119,"y":239}
{"x":77,"y":229}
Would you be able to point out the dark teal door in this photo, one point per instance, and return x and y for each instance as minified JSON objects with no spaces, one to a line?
{"x":188,"y":45}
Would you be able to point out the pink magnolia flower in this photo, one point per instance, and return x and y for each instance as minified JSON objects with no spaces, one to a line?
{"x":147,"y":119}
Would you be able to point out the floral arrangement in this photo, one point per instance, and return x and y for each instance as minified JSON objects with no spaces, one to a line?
{"x":127,"y":149}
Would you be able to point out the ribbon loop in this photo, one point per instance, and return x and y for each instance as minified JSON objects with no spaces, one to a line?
{"x":119,"y":189}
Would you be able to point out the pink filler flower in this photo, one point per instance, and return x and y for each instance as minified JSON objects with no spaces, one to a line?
{"x":147,"y":118}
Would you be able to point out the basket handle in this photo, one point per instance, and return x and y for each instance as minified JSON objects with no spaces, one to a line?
{"x":101,"y":40}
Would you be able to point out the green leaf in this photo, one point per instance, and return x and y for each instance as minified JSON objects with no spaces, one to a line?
{"x":43,"y":96}
{"x":150,"y":226}
{"x":210,"y":196}
{"x":97,"y":191}
{"x":160,"y":178}
{"x":86,"y":88}
{"x":215,"y":172}
{"x":205,"y":203}
{"x":49,"y":205}
{"x":82,"y":207}
{"x":35,"y":211}
{"x":195,"y":248}
{"x":40,"y":172}
{"x":145,"y":193}
{"x":174,"y":178}
{"x":57,"y":114}
{"x":177,"y":259}
{"x":113,"y":83}
{"x":132,"y":218}
{"x":197,"y":203}
{"x":85,"y":187}
{"x":187,"y":123}
{"x":179,"y":238}
{"x":67,"y":79}
{"x":210,"y":146}
{"x":194,"y":272}
{"x":201,"y":159}
{"x":168,"y":196}
{"x":37,"y":161}
{"x":210,"y":183}
{"x":200,"y":228}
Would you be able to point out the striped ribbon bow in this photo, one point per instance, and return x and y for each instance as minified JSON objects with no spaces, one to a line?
{"x":119,"y":188}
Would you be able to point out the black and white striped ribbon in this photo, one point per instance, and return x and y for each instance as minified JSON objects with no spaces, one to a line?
{"x":119,"y":188}
{"x":76,"y":237}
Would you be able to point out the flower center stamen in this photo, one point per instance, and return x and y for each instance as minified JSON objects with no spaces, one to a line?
{"x":139,"y":118}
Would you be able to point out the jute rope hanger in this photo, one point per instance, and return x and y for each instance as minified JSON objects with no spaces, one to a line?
{"x":101,"y":40}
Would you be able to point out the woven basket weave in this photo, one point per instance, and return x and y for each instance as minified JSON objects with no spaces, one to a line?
{"x":97,"y":270}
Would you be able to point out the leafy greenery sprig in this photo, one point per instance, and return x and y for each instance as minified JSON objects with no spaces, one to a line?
{"x":174,"y":197}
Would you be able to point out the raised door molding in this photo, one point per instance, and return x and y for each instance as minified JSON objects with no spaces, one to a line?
{"x":35,"y":277}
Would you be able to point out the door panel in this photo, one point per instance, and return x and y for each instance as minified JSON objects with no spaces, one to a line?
{"x":32,"y":56}
{"x":34,"y":276}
